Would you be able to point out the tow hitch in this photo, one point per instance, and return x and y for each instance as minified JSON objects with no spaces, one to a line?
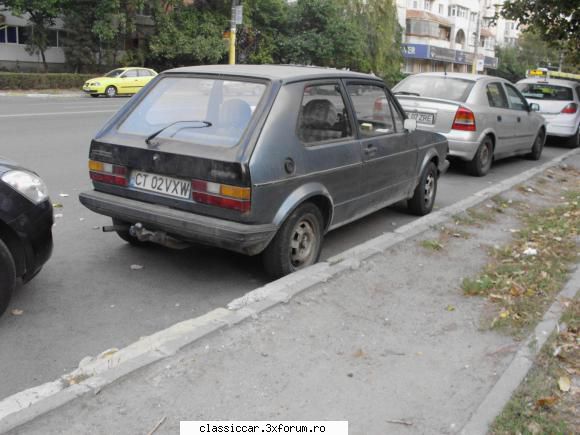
{"x":144,"y":235}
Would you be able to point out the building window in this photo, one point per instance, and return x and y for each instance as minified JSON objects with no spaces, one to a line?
{"x":428,"y":5}
{"x":2,"y":35}
{"x":441,"y":10}
{"x":422,"y":28}
{"x":461,"y":12}
{"x":12,"y":35}
{"x":23,"y":35}
{"x":452,"y":11}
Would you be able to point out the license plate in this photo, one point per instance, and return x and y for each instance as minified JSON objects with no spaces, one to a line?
{"x":161,"y":184}
{"x":422,"y":118}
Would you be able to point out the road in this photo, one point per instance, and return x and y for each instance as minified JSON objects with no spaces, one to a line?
{"x":87,"y":298}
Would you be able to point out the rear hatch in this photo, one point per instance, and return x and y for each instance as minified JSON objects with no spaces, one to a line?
{"x":552,"y":98}
{"x":433,"y":114}
{"x":182,"y":146}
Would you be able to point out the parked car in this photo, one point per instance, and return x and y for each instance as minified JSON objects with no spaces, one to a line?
{"x":120,"y":81}
{"x":558,"y":102}
{"x":25,"y":227}
{"x":484,"y":118}
{"x":258,"y":172}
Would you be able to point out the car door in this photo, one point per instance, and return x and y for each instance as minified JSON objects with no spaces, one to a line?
{"x":525,"y":130}
{"x":145,"y":77}
{"x":501,"y":118}
{"x":129,"y":82}
{"x":389,"y":159}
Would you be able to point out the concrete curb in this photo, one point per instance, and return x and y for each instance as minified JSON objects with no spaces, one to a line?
{"x":39,"y":95}
{"x":502,"y":391}
{"x":93,"y":374}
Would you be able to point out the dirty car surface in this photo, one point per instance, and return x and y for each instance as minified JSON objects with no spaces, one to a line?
{"x":259,"y":160}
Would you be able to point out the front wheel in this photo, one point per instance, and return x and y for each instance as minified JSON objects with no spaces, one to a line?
{"x":424,"y":197}
{"x":111,"y":91}
{"x":481,"y":163}
{"x":297,"y":243}
{"x":7,"y":276}
{"x":537,"y":148}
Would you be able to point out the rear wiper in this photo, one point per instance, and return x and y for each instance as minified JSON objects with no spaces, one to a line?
{"x":204,"y":124}
{"x":407,"y":93}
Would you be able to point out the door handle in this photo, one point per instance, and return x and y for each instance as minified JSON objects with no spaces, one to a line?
{"x":370,"y":150}
{"x":499,"y":118}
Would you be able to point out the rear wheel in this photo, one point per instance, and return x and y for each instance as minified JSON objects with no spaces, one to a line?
{"x":111,"y":91}
{"x":297,"y":244}
{"x":7,"y":276}
{"x":481,"y":163}
{"x":424,"y":197}
{"x":125,"y":235}
{"x":574,"y":141}
{"x":537,"y":148}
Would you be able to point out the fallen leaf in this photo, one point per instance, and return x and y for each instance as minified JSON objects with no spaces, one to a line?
{"x":534,"y":428}
{"x":58,"y":215}
{"x":564,"y":383}
{"x":450,"y":308}
{"x":546,"y":401}
{"x":359,"y":353}
{"x":17,"y":312}
{"x":57,"y":205}
{"x":504,"y":314}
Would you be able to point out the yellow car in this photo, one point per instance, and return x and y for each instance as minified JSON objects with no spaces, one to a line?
{"x":120,"y":81}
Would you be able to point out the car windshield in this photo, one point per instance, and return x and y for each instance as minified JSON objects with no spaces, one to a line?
{"x":115,"y":73}
{"x":544,"y":91}
{"x":222,"y":110}
{"x":448,"y":88}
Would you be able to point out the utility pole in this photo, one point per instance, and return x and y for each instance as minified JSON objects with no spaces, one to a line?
{"x":476,"y":45}
{"x":237,"y":13}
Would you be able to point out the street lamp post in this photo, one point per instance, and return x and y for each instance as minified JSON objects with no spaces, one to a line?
{"x":235,"y":20}
{"x":476,"y":44}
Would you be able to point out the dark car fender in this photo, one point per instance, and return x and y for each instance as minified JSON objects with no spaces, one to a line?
{"x":302,"y":194}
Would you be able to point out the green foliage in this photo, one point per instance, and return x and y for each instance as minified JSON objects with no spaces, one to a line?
{"x":79,"y":42}
{"x":42,"y":81}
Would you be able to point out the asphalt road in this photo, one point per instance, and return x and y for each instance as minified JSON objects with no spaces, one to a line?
{"x":87,"y":298}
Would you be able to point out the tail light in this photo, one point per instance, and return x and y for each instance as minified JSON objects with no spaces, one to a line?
{"x":464,"y":120}
{"x":108,"y":173}
{"x":570,"y":109}
{"x":221,"y":195}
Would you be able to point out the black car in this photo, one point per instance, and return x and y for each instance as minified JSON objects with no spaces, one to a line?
{"x":25,"y":227}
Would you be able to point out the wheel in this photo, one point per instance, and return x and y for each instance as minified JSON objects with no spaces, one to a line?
{"x":7,"y":276}
{"x":574,"y":141}
{"x":94,"y":95}
{"x":537,"y":148}
{"x":297,"y":243}
{"x":424,"y":196}
{"x":111,"y":91}
{"x":126,"y":236}
{"x":481,"y":163}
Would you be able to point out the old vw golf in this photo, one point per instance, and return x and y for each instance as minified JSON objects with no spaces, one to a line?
{"x":258,"y":160}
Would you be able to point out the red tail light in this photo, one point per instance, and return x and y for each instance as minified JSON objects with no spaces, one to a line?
{"x":108,"y":173}
{"x":221,"y":195}
{"x":570,"y":109}
{"x":464,"y":120}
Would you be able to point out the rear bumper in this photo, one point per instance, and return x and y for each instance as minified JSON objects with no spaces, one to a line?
{"x":234,"y":236}
{"x":462,"y":144}
{"x":561,"y":130}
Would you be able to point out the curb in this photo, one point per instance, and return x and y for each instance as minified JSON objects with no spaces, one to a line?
{"x":93,"y":374}
{"x":35,"y":95}
{"x":502,"y":391}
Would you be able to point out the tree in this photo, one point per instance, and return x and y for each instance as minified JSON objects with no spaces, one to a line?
{"x":79,"y":42}
{"x":557,"y":20}
{"x":41,"y":15}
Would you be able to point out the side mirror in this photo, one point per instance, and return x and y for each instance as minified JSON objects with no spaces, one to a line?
{"x":534,"y":107}
{"x":410,"y":125}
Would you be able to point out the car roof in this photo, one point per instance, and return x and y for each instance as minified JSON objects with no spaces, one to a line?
{"x":464,"y":76}
{"x":544,"y":81}
{"x":285,"y":73}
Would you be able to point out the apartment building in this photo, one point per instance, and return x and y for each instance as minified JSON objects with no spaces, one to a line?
{"x":440,"y":35}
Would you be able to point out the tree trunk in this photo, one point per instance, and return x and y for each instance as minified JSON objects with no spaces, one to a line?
{"x":44,"y":64}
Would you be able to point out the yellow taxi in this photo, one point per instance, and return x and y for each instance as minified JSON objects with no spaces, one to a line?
{"x":120,"y":81}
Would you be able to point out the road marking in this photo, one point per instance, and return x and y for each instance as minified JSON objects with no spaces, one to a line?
{"x":24,"y":115}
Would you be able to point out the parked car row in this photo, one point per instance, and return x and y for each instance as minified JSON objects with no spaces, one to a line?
{"x":267,"y":159}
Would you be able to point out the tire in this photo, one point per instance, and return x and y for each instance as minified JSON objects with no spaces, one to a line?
{"x":111,"y":91}
{"x":574,"y":141}
{"x":424,"y":196}
{"x":94,"y":95}
{"x":297,"y":243}
{"x":537,"y":148}
{"x":7,"y":276}
{"x":481,"y":163}
{"x":126,"y":236}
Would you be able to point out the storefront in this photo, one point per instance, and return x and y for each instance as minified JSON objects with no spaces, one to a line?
{"x":428,"y":58}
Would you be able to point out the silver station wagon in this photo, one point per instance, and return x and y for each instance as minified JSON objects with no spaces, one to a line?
{"x":258,"y":159}
{"x":484,"y":118}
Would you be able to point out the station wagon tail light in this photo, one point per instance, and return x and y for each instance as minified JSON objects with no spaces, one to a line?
{"x":108,"y":173}
{"x":464,"y":120}
{"x":221,"y":195}
{"x":570,"y":109}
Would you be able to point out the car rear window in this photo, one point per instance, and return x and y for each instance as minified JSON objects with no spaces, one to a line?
{"x":544,"y":91}
{"x":448,"y":88}
{"x":203,"y":111}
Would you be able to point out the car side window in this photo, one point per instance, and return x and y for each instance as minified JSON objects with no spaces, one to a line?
{"x":515,"y":99}
{"x":323,"y":115}
{"x":144,"y":73}
{"x":374,"y":113}
{"x":496,"y":96}
{"x":130,"y":73}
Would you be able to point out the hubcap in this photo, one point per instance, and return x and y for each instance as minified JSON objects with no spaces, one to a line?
{"x":302,"y":244}
{"x":111,"y":92}
{"x":429,"y":188}
{"x":484,"y":155}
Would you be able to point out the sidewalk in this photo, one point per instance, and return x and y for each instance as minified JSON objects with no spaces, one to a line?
{"x":391,"y":344}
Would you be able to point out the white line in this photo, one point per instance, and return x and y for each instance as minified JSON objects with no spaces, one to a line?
{"x":25,"y":115}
